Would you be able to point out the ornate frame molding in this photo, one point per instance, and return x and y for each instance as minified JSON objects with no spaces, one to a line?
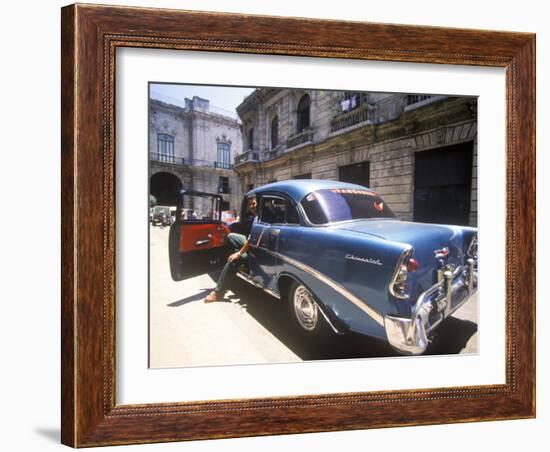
{"x":90,"y":36}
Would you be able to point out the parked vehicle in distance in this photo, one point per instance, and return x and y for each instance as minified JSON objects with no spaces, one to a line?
{"x":162,"y":215}
{"x":339,"y":258}
{"x":228,"y":217}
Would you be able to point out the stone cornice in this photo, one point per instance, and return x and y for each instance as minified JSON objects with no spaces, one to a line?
{"x":257,"y":96}
{"x":186,"y":113}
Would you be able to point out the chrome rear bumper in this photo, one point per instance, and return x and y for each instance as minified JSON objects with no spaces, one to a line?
{"x":454,"y":288}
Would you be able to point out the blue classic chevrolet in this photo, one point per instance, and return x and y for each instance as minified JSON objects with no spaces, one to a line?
{"x":336,"y":254}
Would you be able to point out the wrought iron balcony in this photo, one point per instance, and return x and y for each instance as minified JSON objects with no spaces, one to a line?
{"x":300,"y":138}
{"x":416,"y":98}
{"x":414,"y":101}
{"x":174,"y":160}
{"x":223,"y":165}
{"x":249,"y":156}
{"x":167,"y":158}
{"x":352,"y":118}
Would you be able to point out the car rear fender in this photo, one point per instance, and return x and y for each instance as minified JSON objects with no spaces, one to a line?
{"x":361,"y":263}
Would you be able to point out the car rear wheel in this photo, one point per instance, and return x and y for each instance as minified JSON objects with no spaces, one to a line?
{"x":305,"y":312}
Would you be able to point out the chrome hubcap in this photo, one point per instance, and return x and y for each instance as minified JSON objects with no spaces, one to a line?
{"x":305,"y":308}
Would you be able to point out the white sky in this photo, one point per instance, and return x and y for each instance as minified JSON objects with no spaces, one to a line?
{"x":224,"y":97}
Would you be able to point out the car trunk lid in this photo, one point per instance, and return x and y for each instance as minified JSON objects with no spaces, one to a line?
{"x":429,"y":241}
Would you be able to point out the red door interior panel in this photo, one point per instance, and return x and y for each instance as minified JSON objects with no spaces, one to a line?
{"x":202,"y":236}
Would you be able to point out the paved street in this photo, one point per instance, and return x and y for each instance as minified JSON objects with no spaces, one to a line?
{"x":251,"y":326}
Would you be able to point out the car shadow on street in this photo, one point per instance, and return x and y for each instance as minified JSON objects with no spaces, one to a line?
{"x":273,"y":315}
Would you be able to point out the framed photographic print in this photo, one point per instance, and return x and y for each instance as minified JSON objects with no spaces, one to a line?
{"x":271,"y":225}
{"x":208,"y":163}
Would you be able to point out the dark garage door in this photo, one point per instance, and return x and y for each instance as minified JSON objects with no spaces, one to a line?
{"x":303,"y":176}
{"x":442,"y":184}
{"x":357,"y":173}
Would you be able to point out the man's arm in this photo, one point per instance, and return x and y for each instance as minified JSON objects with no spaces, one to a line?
{"x":239,"y":253}
{"x":244,"y":249}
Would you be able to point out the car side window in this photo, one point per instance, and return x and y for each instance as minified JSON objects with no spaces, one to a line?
{"x":277,"y":210}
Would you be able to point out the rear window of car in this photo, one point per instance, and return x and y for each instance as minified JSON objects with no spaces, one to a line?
{"x":332,"y":205}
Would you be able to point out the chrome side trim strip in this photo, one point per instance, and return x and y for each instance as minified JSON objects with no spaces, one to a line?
{"x":261,"y":235}
{"x":272,"y":293}
{"x":249,"y":280}
{"x":378,"y":318}
{"x":329,"y":322}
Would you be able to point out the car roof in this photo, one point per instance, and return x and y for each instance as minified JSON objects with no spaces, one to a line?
{"x":298,"y":188}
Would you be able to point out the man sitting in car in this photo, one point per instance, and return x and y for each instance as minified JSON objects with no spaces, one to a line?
{"x":238,"y":242}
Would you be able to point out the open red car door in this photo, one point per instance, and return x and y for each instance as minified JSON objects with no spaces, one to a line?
{"x":197,"y":237}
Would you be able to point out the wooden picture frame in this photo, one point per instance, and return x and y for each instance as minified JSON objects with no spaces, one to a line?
{"x":90,"y":37}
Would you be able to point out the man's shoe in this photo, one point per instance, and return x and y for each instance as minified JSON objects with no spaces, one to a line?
{"x":213,"y":296}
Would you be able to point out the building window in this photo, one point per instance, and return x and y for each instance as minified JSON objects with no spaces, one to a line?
{"x":352,"y":100}
{"x":303,"y":176}
{"x":274,"y":132}
{"x":251,"y":139}
{"x":356,"y":173}
{"x":165,"y":148}
{"x":224,"y":156}
{"x":249,"y":187}
{"x":303,"y":113}
{"x":223,"y":185}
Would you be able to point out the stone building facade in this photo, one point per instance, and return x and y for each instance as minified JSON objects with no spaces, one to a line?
{"x":194,"y":148}
{"x":419,"y":152}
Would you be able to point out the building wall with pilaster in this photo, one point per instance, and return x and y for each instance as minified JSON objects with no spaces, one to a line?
{"x":389,"y":140}
{"x":196,"y":134}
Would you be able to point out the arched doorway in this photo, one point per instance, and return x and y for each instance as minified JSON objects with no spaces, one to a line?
{"x":165,"y":188}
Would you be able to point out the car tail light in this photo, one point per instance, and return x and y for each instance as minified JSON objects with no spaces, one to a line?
{"x":399,"y":287}
{"x":412,"y":265}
